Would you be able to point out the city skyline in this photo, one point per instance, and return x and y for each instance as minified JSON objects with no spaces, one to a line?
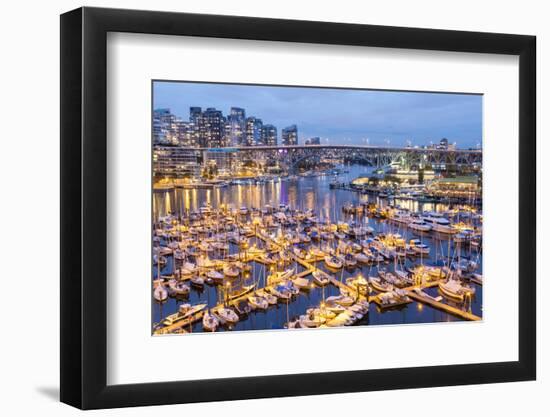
{"x":338,"y":116}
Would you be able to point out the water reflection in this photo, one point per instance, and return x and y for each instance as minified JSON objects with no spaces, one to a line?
{"x":315,"y":194}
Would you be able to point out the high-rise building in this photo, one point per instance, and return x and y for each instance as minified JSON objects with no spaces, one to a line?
{"x":237,"y":126}
{"x":194,"y":114}
{"x":443,"y":144}
{"x":289,"y":136}
{"x":185,"y":133}
{"x":269,"y":135}
{"x":313,"y":141}
{"x":159,"y":130}
{"x":195,"y":118}
{"x":165,"y":130}
{"x":253,"y":134}
{"x":212,"y":128}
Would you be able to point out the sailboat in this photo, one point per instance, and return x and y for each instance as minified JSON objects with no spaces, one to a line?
{"x":333,"y":262}
{"x":210,"y":322}
{"x":160,"y":293}
{"x":227,"y":315}
{"x":320,"y":277}
{"x":453,"y":288}
{"x":380,"y":285}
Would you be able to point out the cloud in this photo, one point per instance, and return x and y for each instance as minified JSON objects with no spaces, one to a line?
{"x":340,"y":114}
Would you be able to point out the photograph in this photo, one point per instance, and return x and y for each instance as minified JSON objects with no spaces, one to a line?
{"x":302,"y":207}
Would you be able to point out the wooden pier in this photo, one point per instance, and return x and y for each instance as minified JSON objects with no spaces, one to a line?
{"x":444,"y":307}
{"x":179,"y":325}
{"x":309,"y":266}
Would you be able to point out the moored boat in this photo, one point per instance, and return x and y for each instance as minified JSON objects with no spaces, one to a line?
{"x":320,"y":277}
{"x":333,"y":262}
{"x":453,"y":288}
{"x":380,"y":285}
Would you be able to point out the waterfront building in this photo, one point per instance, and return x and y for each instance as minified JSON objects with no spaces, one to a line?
{"x":313,"y":141}
{"x":219,"y":162}
{"x":253,"y":134}
{"x":456,"y":185}
{"x":175,"y":162}
{"x":269,"y":135}
{"x":289,"y":136}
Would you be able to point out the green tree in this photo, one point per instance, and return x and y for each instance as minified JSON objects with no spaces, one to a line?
{"x":421,"y":175}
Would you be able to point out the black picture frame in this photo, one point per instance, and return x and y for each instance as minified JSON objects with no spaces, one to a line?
{"x":84,"y":207}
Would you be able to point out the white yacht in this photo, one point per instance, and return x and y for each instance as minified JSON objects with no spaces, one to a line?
{"x":439,"y":224}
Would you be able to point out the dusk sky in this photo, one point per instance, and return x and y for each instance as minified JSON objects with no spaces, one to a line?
{"x":339,"y":116}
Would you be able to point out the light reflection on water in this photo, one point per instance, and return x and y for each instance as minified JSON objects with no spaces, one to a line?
{"x":306,"y":193}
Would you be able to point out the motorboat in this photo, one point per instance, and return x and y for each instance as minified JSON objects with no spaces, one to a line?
{"x":312,"y":320}
{"x":187,"y":268}
{"x":178,"y":287}
{"x":243,"y":308}
{"x":197,"y":280}
{"x":418,"y":247}
{"x":362,"y":257}
{"x":302,"y":283}
{"x":343,"y":300}
{"x":395,"y":297}
{"x":289,"y":286}
{"x":440,"y":224}
{"x":349,"y":260}
{"x":215,"y":276}
{"x":401,"y":217}
{"x":435,"y":271}
{"x":206,"y":262}
{"x":231,"y":271}
{"x":300,"y":252}
{"x":420,"y":225}
{"x":270,"y":298}
{"x":280,"y":292}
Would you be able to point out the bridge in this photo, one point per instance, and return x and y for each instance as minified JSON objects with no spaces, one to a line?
{"x":290,"y":157}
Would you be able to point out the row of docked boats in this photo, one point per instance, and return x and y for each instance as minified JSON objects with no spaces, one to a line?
{"x":335,"y":311}
{"x":202,"y":243}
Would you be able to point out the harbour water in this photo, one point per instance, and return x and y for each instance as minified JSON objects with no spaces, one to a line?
{"x":313,"y":193}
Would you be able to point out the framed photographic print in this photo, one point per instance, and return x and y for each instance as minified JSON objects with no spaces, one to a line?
{"x":257,"y":207}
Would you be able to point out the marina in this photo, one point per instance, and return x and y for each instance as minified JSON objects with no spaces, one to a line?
{"x":297,"y":252}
